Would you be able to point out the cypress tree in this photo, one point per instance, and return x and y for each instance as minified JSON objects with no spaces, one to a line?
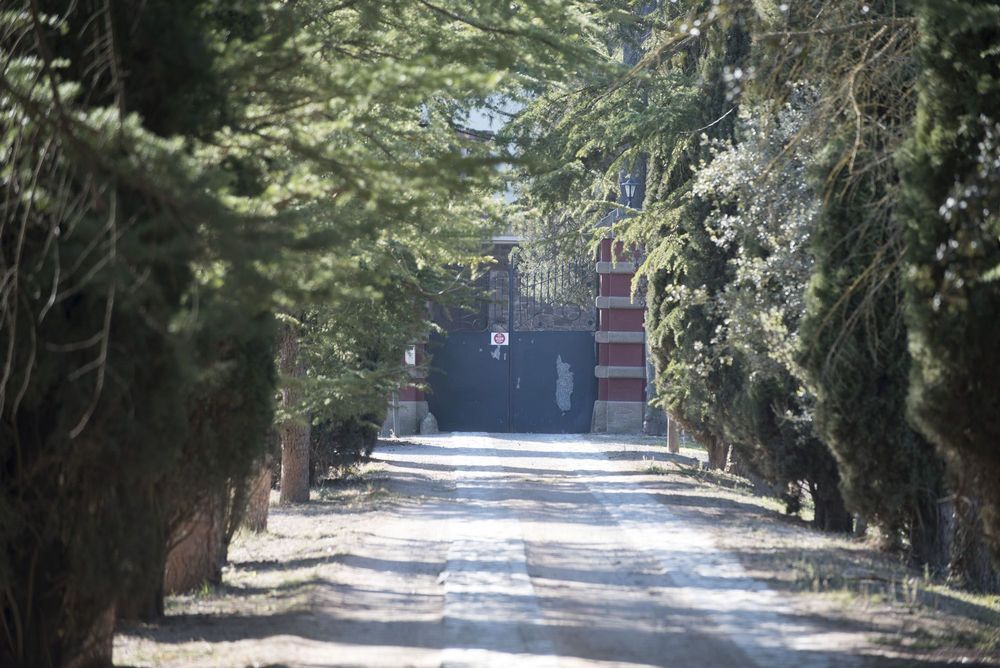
{"x":951,"y":176}
{"x":853,"y":356}
{"x":854,"y":352}
{"x":765,"y":214}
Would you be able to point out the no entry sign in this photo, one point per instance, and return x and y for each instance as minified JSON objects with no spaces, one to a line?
{"x":499,"y":338}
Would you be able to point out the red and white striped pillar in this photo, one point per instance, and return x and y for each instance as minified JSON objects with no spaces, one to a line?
{"x":621,"y":338}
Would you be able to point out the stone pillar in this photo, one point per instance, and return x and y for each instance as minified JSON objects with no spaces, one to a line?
{"x":408,"y":405}
{"x":621,"y":354}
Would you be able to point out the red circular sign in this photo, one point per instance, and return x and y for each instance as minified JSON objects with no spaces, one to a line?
{"x":499,"y":338}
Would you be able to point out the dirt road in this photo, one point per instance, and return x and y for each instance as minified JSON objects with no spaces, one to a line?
{"x":498,"y":551}
{"x":557,"y":556}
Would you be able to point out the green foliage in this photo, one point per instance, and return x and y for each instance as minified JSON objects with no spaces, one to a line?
{"x":778,"y":262}
{"x":99,"y":238}
{"x":352,"y":356}
{"x":853,"y":338}
{"x":727,"y":255}
{"x":739,"y":218}
{"x":336,"y":444}
{"x":854,"y":352}
{"x":766,"y":226}
{"x":581,"y":138}
{"x":174,"y":174}
{"x":951,"y":174}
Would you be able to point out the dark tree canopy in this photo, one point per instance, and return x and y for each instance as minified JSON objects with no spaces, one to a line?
{"x":175,"y":176}
{"x":951,"y":176}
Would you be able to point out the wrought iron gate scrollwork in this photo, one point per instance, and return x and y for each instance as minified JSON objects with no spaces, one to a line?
{"x":499,"y":300}
{"x":539,"y":297}
{"x":555,"y":297}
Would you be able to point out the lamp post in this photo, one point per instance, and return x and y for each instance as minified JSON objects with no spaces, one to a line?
{"x":629,"y":184}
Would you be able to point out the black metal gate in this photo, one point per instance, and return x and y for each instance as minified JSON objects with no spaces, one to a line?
{"x":523,"y":359}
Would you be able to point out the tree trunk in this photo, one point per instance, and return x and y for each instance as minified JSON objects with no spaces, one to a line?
{"x":259,"y":500}
{"x":143,"y":599}
{"x":831,"y":512}
{"x":294,"y":432}
{"x":198,"y":550}
{"x":673,"y":436}
{"x":737,"y":465}
{"x":718,"y":452}
{"x":654,"y":419}
{"x":98,"y":647}
{"x":969,"y":563}
{"x":929,"y":535}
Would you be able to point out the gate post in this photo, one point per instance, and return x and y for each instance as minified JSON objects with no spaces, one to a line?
{"x":621,"y":337}
{"x":408,"y":405}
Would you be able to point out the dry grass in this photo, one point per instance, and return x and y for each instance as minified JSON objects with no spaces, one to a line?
{"x":912,"y":615}
{"x":272,"y":578}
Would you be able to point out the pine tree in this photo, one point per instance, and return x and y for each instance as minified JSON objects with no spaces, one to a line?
{"x":294,"y":430}
{"x":854,"y":353}
{"x":615,"y":123}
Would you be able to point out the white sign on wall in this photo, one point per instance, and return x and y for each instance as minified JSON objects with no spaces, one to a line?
{"x":411,"y":356}
{"x":499,"y":339}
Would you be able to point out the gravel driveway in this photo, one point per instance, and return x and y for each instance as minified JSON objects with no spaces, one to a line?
{"x":495,"y":550}
{"x":559,"y":556}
